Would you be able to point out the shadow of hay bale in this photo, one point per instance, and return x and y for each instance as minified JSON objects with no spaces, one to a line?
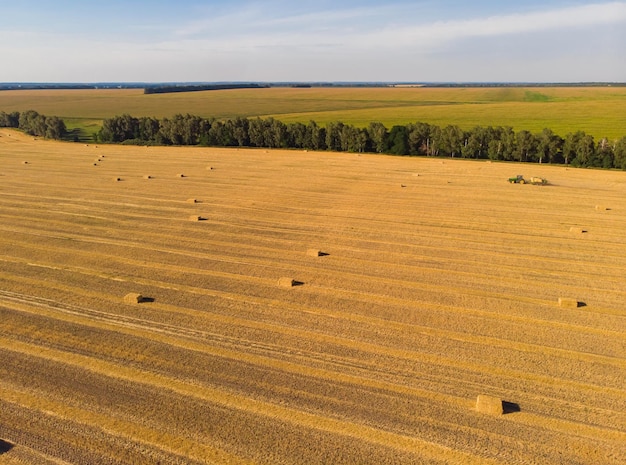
{"x":495,"y":406}
{"x":510,"y":407}
{"x":5,"y":446}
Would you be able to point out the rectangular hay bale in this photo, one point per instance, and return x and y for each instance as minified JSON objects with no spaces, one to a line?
{"x":489,"y":404}
{"x":133,"y":298}
{"x":286,"y":282}
{"x":314,"y":253}
{"x":565,"y":302}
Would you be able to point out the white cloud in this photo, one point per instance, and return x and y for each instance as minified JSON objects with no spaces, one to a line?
{"x":379,"y":29}
{"x":566,"y":18}
{"x":389,"y":42}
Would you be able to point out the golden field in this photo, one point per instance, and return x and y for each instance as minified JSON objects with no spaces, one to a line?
{"x":438,"y":282}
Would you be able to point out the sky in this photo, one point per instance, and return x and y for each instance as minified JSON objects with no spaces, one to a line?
{"x":313,"y":41}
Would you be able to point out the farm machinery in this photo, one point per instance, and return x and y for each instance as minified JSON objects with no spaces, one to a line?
{"x":519,"y":179}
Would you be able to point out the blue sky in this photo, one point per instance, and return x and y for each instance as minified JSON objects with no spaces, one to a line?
{"x":322,"y":40}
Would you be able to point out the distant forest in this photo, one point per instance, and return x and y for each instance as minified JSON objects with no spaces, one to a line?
{"x":189,"y":88}
{"x":416,"y":139}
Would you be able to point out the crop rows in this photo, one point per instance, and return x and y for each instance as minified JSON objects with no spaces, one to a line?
{"x":439,"y":282}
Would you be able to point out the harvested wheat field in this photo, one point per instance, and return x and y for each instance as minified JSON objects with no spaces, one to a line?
{"x":130,"y":334}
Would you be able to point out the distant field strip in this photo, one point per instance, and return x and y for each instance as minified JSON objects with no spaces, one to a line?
{"x":438,"y":281}
{"x":596,"y":110}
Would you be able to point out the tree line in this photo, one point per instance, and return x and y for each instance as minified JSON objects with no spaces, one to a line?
{"x":31,"y":122}
{"x":422,"y":139}
{"x":495,"y":143}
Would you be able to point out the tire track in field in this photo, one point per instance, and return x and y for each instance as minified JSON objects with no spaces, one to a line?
{"x":114,"y":426}
{"x":357,"y":295}
{"x":437,"y":228}
{"x":334,"y":360}
{"x":377,"y":349}
{"x":301,"y":268}
{"x":505,"y":255}
{"x":452,"y":252}
{"x":354,"y":263}
{"x":383,"y":300}
{"x":302,"y":418}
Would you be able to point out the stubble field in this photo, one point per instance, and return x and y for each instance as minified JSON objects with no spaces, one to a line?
{"x":438,"y":282}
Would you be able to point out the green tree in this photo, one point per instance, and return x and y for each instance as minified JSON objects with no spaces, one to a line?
{"x":526,"y":146}
{"x":55,"y":128}
{"x":297,"y":135}
{"x":549,"y":147}
{"x":476,"y":142}
{"x":452,"y":138}
{"x":619,"y":153}
{"x":604,"y":154}
{"x":316,"y":137}
{"x":148,"y":129}
{"x":333,"y":136}
{"x":418,"y":138}
{"x":378,"y":136}
{"x":9,"y":120}
{"x":570,"y":144}
{"x":398,"y":141}
{"x":585,"y":151}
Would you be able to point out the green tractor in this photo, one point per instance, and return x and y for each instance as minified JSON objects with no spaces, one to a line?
{"x":536,"y":181}
{"x":519,"y":179}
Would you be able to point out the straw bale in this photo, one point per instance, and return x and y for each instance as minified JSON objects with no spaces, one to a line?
{"x":601,"y":208}
{"x":286,"y":282}
{"x":180,"y":175}
{"x":489,"y":404}
{"x":565,"y":302}
{"x":577,"y":230}
{"x":117,"y":179}
{"x":133,"y":298}
{"x":195,"y":218}
{"x":147,"y":176}
{"x":314,"y":253}
{"x":192,"y":201}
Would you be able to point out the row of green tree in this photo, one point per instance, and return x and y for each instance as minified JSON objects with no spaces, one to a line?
{"x":495,"y":143}
{"x":34,"y":124}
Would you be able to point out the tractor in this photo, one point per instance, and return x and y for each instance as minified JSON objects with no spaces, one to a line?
{"x":519,"y":179}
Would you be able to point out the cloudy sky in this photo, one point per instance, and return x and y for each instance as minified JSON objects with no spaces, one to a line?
{"x":321,"y":40}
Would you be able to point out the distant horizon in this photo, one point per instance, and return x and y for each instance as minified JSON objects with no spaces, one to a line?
{"x":312,"y":82}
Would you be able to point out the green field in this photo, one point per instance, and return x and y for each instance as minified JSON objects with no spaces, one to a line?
{"x":599,"y":111}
